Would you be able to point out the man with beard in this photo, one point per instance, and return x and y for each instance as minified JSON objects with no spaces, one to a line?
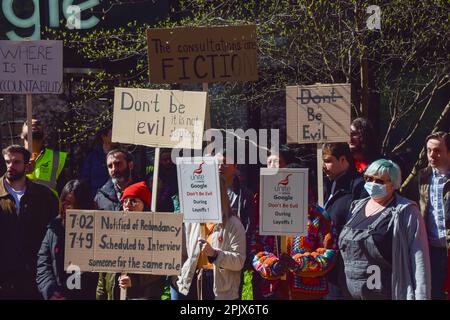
{"x":48,"y":163}
{"x":25,"y":210}
{"x":119,"y":163}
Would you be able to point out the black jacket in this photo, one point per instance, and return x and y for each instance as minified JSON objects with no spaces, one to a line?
{"x":2,"y":166}
{"x":349,"y":187}
{"x":106,"y":198}
{"x":51,"y":276}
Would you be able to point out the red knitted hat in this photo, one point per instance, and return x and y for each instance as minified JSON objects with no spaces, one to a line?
{"x":138,"y":190}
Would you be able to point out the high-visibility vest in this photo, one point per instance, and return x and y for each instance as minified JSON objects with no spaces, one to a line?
{"x":48,"y":167}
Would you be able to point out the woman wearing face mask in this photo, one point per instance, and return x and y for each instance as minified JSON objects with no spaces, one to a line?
{"x":384,"y":244}
{"x":51,"y":277}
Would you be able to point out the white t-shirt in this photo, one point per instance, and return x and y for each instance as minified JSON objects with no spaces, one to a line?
{"x":17,"y":195}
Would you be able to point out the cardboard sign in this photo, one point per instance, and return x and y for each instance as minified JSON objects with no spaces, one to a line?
{"x":159,"y":118}
{"x":112,"y":241}
{"x":201,"y":54}
{"x":199,"y":189}
{"x":318,"y":113}
{"x":283,"y":204}
{"x":31,"y":67}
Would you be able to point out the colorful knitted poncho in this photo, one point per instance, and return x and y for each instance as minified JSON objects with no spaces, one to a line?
{"x":314,"y":256}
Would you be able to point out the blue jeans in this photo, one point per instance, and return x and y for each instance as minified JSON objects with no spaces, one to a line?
{"x":439,"y":268}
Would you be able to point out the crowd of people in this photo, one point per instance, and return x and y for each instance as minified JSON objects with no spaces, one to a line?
{"x":367,"y":241}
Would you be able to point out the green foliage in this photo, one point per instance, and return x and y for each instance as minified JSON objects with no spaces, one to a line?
{"x":299,"y":42}
{"x":247,"y":289}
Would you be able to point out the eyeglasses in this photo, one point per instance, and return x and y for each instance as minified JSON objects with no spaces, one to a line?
{"x":376,"y":180}
{"x":131,"y":201}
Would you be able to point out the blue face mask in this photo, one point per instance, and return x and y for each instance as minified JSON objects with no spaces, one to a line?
{"x":375,"y":190}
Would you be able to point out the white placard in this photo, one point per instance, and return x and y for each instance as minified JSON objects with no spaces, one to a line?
{"x":199,"y":189}
{"x":31,"y":67}
{"x":283,"y":201}
{"x":159,"y":118}
{"x":127,"y":241}
{"x":318,"y":113}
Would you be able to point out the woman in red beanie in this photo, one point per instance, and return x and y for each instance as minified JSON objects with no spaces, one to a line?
{"x":136,"y":197}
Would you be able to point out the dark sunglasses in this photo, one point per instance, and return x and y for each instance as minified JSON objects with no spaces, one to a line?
{"x":372,"y":179}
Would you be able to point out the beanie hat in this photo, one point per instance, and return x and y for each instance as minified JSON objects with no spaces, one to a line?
{"x":137,"y":190}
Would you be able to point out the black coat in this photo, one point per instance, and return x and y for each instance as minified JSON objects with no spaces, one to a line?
{"x":2,"y":166}
{"x":51,"y":276}
{"x":106,"y":198}
{"x":349,"y":187}
{"x":21,"y":237}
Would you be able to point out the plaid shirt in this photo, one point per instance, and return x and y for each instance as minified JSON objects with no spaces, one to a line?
{"x":436,"y":214}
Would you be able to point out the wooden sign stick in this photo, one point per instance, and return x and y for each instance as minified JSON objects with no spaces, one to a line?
{"x":29,"y":102}
{"x":319,"y":174}
{"x":207,"y":113}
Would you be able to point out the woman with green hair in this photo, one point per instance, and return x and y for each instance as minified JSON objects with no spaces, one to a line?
{"x":384,"y":244}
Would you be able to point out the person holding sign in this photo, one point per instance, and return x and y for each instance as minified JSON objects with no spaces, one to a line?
{"x":305,"y":263}
{"x":384,"y":245}
{"x":48,"y":163}
{"x":216,"y":258}
{"x":53,"y":282}
{"x":136,"y":197}
{"x":241,"y":200}
{"x":262,"y":288}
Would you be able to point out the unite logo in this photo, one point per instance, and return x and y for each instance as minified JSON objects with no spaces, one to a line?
{"x":283,"y":185}
{"x":199,"y":170}
{"x":197,"y":173}
{"x":285,"y":181}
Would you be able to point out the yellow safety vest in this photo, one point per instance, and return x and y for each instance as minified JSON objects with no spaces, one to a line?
{"x":48,"y":167}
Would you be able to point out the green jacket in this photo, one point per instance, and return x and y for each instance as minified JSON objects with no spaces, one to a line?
{"x":48,"y":167}
{"x":107,"y":288}
{"x":143,"y":286}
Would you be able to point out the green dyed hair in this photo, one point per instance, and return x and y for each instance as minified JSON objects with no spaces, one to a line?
{"x":386,"y":168}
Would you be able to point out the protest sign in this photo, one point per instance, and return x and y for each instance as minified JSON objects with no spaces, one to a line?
{"x":159,"y":118}
{"x":283,"y":201}
{"x":202,"y":54}
{"x":31,"y":67}
{"x":199,"y":189}
{"x":134,"y":242}
{"x":318,"y":113}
